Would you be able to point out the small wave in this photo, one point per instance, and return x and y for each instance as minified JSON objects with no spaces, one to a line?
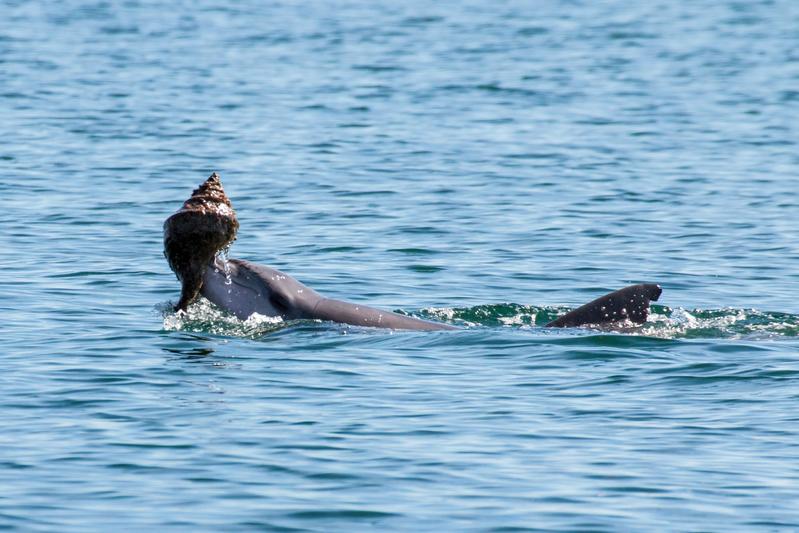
{"x":727,"y":323}
{"x":491,"y":315}
{"x":664,"y":322}
{"x":204,"y":317}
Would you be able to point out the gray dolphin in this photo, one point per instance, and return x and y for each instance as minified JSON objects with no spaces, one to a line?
{"x":206,"y":223}
{"x":253,"y":288}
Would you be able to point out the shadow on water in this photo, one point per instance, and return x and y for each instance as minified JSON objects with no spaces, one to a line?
{"x":191,"y":353}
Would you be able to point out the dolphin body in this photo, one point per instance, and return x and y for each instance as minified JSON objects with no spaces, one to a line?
{"x":253,"y":288}
{"x":206,"y":223}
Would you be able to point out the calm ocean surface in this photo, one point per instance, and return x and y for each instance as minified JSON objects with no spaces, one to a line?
{"x":486,"y":163}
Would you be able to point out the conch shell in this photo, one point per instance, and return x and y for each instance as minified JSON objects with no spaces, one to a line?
{"x":204,"y":226}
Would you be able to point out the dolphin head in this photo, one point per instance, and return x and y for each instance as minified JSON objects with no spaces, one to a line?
{"x":201,"y":228}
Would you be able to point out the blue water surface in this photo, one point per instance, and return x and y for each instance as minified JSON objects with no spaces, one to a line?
{"x":490,"y":164}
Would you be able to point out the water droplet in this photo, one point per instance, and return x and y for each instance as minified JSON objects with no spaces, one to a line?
{"x":223,"y":256}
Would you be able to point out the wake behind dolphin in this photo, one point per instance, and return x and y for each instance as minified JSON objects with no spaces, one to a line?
{"x":207,"y":224}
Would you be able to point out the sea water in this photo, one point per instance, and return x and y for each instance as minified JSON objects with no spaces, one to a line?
{"x":490,"y":164}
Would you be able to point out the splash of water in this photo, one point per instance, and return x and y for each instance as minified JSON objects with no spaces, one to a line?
{"x":224,"y":257}
{"x":727,"y":323}
{"x":663,"y":322}
{"x":204,"y":317}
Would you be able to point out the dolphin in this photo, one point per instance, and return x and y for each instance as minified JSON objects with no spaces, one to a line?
{"x":248,"y":288}
{"x":207,"y":224}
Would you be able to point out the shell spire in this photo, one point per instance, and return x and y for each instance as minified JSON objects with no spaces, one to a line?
{"x":209,"y":195}
{"x":201,"y":228}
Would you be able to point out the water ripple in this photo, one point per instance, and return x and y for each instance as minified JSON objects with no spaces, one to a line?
{"x":489,"y":164}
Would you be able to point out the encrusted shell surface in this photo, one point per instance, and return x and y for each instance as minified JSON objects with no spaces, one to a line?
{"x":201,"y":228}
